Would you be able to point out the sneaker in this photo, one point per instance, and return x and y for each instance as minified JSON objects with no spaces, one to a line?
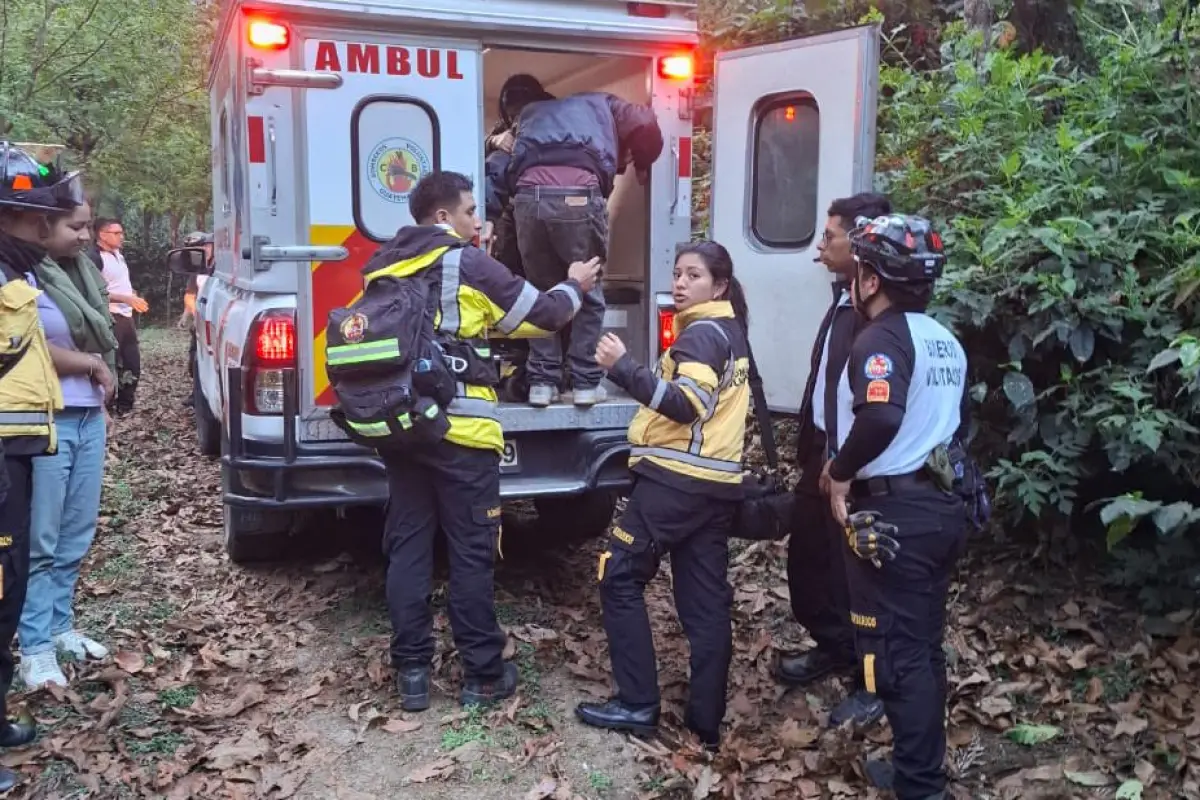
{"x":80,"y":646}
{"x":541,"y":395}
{"x":41,"y":668}
{"x":589,"y":397}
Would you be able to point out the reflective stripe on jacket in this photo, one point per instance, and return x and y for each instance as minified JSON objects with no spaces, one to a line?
{"x":479,"y":297}
{"x":701,"y":378}
{"x":30,"y":391}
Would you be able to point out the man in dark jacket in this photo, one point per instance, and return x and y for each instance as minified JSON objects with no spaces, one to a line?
{"x":816,"y":549}
{"x":566,"y":154}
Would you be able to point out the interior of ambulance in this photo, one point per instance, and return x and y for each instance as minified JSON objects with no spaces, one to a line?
{"x":628,"y":77}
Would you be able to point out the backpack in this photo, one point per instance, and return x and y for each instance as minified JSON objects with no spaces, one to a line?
{"x":385,"y":365}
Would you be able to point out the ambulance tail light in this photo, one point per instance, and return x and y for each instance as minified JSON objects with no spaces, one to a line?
{"x":677,"y":67}
{"x":649,"y":10}
{"x":272,"y":348}
{"x":266,"y":34}
{"x":666,"y":328}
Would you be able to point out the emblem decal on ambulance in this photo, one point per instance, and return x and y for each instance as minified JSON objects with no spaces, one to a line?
{"x":395,"y":166}
{"x":354,"y":328}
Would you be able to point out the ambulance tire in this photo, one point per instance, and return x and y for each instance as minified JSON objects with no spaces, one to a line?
{"x":253,"y":536}
{"x":208,"y":427}
{"x":574,"y":518}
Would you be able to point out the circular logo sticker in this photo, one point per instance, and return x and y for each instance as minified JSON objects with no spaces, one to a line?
{"x":354,"y":327}
{"x":878,"y":366}
{"x":395,"y":166}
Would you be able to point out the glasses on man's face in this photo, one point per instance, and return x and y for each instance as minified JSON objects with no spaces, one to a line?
{"x":828,"y":236}
{"x":117,"y":232}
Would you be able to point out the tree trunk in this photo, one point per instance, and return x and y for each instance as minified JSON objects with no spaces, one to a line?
{"x":1047,"y":24}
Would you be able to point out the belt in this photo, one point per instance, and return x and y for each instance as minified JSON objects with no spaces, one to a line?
{"x":561,"y":191}
{"x":891,"y":484}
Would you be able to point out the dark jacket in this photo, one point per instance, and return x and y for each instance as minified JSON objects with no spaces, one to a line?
{"x":592,"y":131}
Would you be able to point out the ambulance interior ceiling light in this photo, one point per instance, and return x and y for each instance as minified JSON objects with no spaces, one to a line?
{"x":267,"y":34}
{"x":677,"y":67}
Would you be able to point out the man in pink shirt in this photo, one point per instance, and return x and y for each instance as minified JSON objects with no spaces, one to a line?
{"x":123,"y":301}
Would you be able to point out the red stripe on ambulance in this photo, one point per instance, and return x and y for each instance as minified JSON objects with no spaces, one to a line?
{"x":256,"y":140}
{"x":374,"y":59}
{"x":685,"y":157}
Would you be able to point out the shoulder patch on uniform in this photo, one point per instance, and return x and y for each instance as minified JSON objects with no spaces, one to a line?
{"x":879,"y":392}
{"x":878,"y":366}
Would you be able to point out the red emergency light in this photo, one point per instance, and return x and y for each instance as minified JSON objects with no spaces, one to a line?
{"x":266,"y":34}
{"x":677,"y":67}
{"x":789,"y":113}
{"x":666,"y":329}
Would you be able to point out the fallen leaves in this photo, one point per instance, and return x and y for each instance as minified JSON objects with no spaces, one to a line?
{"x":1054,"y":690}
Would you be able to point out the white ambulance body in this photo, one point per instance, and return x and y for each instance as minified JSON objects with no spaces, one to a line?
{"x":325,"y":113}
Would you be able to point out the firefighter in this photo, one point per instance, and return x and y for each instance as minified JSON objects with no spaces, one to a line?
{"x":816,"y":563}
{"x":29,"y":388}
{"x":566,"y":155}
{"x":687,"y":462}
{"x":188,"y":318}
{"x":456,"y":482}
{"x":902,"y":405}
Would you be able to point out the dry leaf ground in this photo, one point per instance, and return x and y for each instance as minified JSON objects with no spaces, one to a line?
{"x":273,"y":682}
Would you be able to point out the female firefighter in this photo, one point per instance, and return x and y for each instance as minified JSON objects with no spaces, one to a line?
{"x":687,"y":464}
{"x":30,"y":394}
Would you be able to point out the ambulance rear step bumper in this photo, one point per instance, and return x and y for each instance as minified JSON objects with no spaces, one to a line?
{"x":289,"y":476}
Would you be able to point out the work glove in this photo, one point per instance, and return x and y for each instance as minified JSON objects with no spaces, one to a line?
{"x":870,"y":538}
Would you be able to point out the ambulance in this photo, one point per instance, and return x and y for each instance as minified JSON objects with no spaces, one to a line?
{"x":325,"y":114}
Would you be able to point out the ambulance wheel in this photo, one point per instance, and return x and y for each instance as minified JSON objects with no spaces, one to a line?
{"x":253,"y":536}
{"x":208,"y":427}
{"x":575,"y":518}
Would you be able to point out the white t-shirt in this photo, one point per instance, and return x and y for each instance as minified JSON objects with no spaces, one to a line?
{"x":116,"y":275}
{"x":818,"y":401}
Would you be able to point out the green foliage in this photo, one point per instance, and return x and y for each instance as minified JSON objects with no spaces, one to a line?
{"x":122,"y":85}
{"x":1070,"y":202}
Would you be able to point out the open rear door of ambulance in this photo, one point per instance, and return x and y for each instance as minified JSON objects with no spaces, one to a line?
{"x":406,"y":106}
{"x":793,"y":129}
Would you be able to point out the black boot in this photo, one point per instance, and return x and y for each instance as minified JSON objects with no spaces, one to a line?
{"x":8,"y":779}
{"x":710,"y":739}
{"x":801,"y":669}
{"x":476,"y":690}
{"x":16,"y":734}
{"x":861,"y":706}
{"x":619,"y":716}
{"x":412,"y":684}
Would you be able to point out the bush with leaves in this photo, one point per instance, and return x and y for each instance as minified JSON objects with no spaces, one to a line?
{"x":1070,"y":202}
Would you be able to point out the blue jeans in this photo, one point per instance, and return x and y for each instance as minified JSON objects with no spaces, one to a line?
{"x":66,"y":502}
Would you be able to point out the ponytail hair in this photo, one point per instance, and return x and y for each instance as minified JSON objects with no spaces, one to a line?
{"x":720,"y":265}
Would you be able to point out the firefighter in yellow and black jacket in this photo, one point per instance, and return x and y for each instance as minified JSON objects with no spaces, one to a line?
{"x":686,"y":457}
{"x":29,"y":389}
{"x":456,"y":483}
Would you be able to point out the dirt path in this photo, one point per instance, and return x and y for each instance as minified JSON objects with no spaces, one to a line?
{"x":273,"y":682}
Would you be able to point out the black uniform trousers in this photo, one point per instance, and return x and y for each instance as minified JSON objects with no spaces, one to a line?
{"x":14,"y":562}
{"x":899,"y":616}
{"x":129,"y":362}
{"x":458,"y":489}
{"x":694,"y":529}
{"x":816,"y":564}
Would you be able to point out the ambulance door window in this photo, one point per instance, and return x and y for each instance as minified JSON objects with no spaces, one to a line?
{"x":394,"y":142}
{"x":783,"y":196}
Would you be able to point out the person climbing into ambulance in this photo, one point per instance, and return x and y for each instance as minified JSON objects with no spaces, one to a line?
{"x":566,"y":154}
